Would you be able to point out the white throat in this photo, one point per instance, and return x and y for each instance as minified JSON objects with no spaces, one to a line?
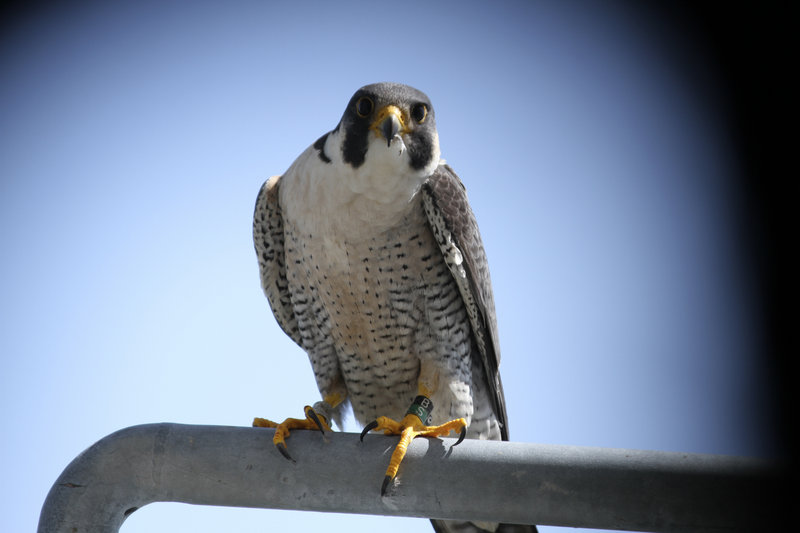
{"x":334,"y":198}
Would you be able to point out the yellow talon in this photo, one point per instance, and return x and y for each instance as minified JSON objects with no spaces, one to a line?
{"x":313,"y":420}
{"x":263,"y":423}
{"x":410,"y":427}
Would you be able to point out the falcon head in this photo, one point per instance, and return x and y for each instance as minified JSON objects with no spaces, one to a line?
{"x":387,"y":127}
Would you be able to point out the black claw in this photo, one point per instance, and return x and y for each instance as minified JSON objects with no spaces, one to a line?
{"x":461,"y":436}
{"x":284,"y":452}
{"x":369,"y":427}
{"x":314,"y":418}
{"x":386,"y":481}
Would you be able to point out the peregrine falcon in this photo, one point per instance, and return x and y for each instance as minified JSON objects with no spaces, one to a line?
{"x":372,"y":262}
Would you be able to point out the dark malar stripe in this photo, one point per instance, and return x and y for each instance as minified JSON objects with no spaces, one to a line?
{"x":319,"y":144}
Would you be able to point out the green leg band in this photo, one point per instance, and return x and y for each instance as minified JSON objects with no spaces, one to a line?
{"x":422,"y":407}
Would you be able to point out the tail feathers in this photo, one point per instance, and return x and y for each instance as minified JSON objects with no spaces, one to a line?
{"x":452,"y":526}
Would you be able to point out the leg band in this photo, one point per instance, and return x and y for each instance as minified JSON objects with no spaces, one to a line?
{"x":422,"y":407}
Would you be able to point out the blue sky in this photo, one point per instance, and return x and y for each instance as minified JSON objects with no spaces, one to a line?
{"x":135,"y":138}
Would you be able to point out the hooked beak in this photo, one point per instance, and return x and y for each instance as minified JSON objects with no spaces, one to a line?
{"x":389,"y":123}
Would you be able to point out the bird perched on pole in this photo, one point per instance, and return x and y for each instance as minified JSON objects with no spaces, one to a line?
{"x":372,"y":262}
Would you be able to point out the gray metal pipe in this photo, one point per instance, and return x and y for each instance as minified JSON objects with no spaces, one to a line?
{"x":478,"y":480}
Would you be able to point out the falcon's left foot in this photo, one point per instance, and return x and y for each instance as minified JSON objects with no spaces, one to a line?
{"x":411,"y":426}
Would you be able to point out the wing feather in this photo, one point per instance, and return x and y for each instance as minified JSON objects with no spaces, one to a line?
{"x":456,"y":231}
{"x":268,"y":238}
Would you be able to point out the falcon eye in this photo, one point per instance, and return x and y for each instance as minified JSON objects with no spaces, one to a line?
{"x":419,"y":113}
{"x":364,"y":106}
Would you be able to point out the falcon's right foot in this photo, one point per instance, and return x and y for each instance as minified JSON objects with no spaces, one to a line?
{"x":313,"y":420}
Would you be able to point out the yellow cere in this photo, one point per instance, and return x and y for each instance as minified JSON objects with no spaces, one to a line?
{"x":390,"y":110}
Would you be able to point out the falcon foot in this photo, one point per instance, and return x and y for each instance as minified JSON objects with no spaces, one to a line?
{"x":411,"y":426}
{"x":313,"y":420}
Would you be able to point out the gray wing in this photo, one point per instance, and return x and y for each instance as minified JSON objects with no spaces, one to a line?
{"x":268,"y":239}
{"x":456,"y":231}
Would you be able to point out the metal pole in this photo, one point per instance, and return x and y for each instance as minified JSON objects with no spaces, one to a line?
{"x":478,"y":480}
